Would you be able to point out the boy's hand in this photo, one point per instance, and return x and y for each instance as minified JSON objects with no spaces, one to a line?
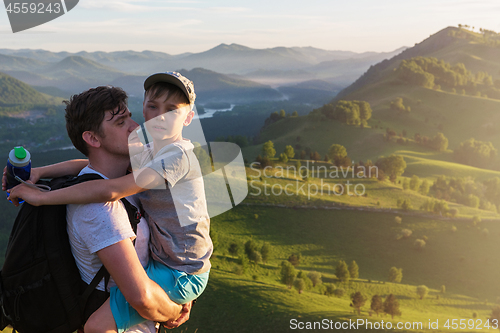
{"x":26,"y":193}
{"x":186,"y":311}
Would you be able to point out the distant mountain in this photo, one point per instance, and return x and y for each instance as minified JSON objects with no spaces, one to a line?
{"x":81,"y":67}
{"x":271,"y":68}
{"x":210,"y":86}
{"x":14,"y":92}
{"x":224,"y":58}
{"x":9,"y":63}
{"x":39,"y":55}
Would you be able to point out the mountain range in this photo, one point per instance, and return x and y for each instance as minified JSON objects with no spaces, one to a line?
{"x":271,"y":68}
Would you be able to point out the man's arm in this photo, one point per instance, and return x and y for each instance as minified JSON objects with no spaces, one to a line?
{"x":71,"y":167}
{"x":143,"y":294}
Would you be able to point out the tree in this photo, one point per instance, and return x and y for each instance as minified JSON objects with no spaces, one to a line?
{"x":495,"y":315}
{"x":414,"y":183}
{"x":295,"y":114}
{"x":268,"y":149}
{"x":376,"y":304}
{"x":265,"y":252}
{"x":397,"y":104}
{"x":365,"y":111}
{"x":443,"y":289}
{"x":315,"y":156}
{"x":251,"y":251}
{"x":439,"y":142}
{"x":425,"y":187}
{"x":358,"y":300}
{"x":336,"y":153}
{"x":234,"y":249}
{"x":282,"y":113}
{"x":315,"y":278}
{"x":299,"y":284}
{"x":339,"y":292}
{"x":395,"y":274}
{"x":353,"y":270}
{"x":341,"y":271}
{"x":391,"y":306}
{"x":255,"y":257}
{"x":393,"y":165}
{"x":406,"y":184}
{"x":287,"y":273}
{"x":283,"y":158}
{"x":243,"y":261}
{"x":330,"y":289}
{"x":294,"y":259}
{"x":250,"y":246}
{"x":476,"y":153}
{"x":422,"y":291}
{"x":289,"y":151}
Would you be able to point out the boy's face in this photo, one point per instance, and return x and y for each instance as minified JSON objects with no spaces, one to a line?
{"x":165,"y":118}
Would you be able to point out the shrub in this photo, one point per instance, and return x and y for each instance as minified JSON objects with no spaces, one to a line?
{"x":419,"y":244}
{"x":339,"y":292}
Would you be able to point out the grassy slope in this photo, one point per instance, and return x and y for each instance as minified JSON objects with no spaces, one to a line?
{"x":464,"y":261}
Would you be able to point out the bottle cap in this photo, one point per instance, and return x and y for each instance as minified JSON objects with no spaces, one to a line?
{"x":20,"y":152}
{"x":19,"y":157}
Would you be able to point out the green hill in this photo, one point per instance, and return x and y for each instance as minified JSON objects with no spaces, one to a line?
{"x":14,"y":92}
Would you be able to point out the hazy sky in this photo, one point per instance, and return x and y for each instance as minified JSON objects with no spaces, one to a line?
{"x":197,"y":25}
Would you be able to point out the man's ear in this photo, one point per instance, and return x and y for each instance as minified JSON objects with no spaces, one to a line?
{"x":189,"y":118}
{"x":91,"y":139}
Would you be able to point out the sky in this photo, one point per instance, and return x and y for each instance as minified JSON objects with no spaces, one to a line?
{"x":175,"y":26}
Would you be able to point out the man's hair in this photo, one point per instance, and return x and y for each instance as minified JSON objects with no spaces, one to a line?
{"x":163,"y":88}
{"x":86,"y":111}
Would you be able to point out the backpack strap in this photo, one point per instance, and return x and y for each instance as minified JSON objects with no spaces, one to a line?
{"x":134,"y":215}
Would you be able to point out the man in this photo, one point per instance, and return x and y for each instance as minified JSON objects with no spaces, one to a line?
{"x":99,"y":123}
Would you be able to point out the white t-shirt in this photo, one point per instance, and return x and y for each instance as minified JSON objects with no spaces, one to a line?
{"x":93,"y":227}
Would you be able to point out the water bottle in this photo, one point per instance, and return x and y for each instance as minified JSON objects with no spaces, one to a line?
{"x":18,"y":167}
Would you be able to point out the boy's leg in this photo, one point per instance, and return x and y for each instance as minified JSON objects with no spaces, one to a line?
{"x":101,"y":321}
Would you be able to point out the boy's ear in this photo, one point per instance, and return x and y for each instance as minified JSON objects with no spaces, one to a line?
{"x":189,"y":118}
{"x":91,"y":139}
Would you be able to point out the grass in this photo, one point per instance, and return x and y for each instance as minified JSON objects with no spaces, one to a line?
{"x":283,"y":187}
{"x":464,"y":261}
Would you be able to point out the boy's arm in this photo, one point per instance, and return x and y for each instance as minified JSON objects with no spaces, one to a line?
{"x":102,"y":190}
{"x":143,"y":294}
{"x":71,"y":167}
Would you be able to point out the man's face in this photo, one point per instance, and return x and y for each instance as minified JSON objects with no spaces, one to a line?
{"x":116,"y":129}
{"x":165,"y":118}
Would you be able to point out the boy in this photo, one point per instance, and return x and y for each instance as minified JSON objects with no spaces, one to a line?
{"x":177,"y":214}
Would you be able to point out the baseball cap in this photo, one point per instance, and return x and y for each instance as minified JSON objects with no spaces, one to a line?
{"x":176,"y":79}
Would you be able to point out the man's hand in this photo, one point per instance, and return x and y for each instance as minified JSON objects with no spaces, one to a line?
{"x":34,"y":177}
{"x":28,"y":194}
{"x":4,"y":179}
{"x":186,"y":311}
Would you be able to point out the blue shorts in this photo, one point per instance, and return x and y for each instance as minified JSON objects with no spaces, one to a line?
{"x":179,"y":286}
